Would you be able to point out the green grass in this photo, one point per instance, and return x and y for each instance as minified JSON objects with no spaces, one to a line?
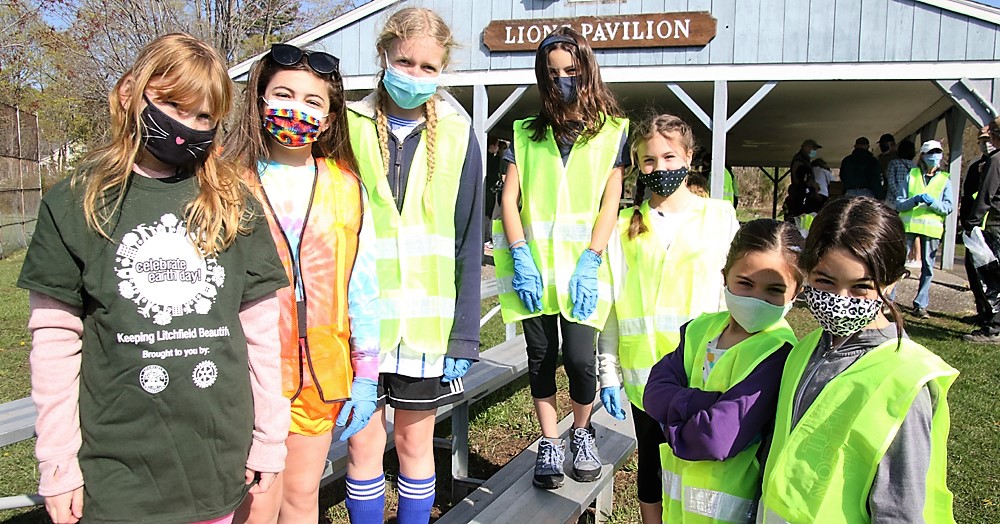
{"x":504,"y":423}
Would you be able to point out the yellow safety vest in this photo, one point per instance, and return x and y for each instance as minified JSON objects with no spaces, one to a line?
{"x":922,"y":220}
{"x":822,"y":469}
{"x":729,"y":190}
{"x":559,"y":207}
{"x":708,"y":491}
{"x":416,"y":247}
{"x":664,"y":288}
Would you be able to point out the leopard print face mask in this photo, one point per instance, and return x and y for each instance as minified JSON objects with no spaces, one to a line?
{"x":841,"y":316}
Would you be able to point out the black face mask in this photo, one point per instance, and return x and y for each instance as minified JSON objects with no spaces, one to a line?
{"x":567,"y":88}
{"x":662,"y":182}
{"x":172,"y":142}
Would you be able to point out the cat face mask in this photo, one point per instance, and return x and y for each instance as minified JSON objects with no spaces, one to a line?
{"x":172,"y":142}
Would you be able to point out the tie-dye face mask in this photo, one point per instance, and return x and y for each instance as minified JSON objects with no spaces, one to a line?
{"x":291,"y":123}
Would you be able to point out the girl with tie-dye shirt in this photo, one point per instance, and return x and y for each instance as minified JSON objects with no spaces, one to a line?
{"x":293,"y":138}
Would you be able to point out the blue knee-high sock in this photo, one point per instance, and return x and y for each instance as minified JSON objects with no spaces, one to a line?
{"x":366,"y":500}
{"x":416,"y":498}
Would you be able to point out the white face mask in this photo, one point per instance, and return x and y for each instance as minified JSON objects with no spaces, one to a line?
{"x":754,"y":314}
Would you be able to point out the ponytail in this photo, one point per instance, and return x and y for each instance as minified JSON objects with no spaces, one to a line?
{"x":637,"y":225}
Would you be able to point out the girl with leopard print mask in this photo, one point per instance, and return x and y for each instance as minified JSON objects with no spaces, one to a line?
{"x":862,"y":419}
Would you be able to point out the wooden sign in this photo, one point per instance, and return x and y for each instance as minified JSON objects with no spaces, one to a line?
{"x":606,"y":32}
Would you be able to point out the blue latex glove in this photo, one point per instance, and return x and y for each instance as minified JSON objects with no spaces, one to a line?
{"x":926,"y":199}
{"x":612,"y":402}
{"x":455,"y":368}
{"x":583,"y":285}
{"x":361,"y":407}
{"x":527,"y":282}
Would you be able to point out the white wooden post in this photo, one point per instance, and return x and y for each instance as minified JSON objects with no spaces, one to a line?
{"x":719,"y":116}
{"x":954,"y":125}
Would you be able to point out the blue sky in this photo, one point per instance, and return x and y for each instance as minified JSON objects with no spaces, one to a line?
{"x":994,"y":3}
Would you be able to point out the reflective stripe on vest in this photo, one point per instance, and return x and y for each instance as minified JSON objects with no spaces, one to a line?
{"x":665,"y":288}
{"x":922,"y":220}
{"x":559,"y":207}
{"x":822,"y":469}
{"x":708,"y":491}
{"x":329,"y":244}
{"x":416,"y":247}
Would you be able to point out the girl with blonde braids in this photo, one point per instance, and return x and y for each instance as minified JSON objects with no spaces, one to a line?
{"x":155,"y":363}
{"x":422,"y":167}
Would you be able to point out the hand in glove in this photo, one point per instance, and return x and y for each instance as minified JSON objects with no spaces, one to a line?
{"x":455,"y":368}
{"x":612,"y":402}
{"x":527,"y":282}
{"x":361,"y":407}
{"x":583,"y":285}
{"x":926,"y":199}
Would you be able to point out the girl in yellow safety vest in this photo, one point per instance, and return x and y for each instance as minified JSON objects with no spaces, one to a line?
{"x":566,"y":171}
{"x":715,"y":395}
{"x":862,"y":420}
{"x":422,"y":167}
{"x":673,"y":249}
{"x":292,"y":143}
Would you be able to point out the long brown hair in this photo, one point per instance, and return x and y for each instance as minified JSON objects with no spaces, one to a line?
{"x":411,"y":22}
{"x":667,"y":126}
{"x":594,"y":101}
{"x":871,"y":232}
{"x":186,"y":70}
{"x":250,"y":142}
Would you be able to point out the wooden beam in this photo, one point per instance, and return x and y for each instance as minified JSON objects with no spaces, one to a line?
{"x":749,"y":105}
{"x":691,"y":104}
{"x":505,"y":106}
{"x":955,"y":126}
{"x":719,"y":126}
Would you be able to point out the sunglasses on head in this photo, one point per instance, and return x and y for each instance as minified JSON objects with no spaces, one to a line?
{"x":320,"y":62}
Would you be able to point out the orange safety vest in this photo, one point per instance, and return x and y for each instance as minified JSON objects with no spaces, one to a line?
{"x":327,"y":251}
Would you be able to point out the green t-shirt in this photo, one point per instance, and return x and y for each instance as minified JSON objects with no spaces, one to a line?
{"x":166,"y":411}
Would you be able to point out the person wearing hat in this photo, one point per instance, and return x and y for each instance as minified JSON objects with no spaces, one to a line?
{"x":984,"y":211}
{"x":860,"y":172}
{"x":801,"y":173}
{"x":926,"y":201}
{"x":887,"y":151}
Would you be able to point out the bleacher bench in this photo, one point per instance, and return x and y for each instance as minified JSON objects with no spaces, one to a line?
{"x":509,"y":496}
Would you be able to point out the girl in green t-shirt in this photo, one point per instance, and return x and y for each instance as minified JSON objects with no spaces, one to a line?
{"x":152,"y":281}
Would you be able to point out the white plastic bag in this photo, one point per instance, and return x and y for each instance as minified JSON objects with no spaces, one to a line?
{"x":976,"y":245}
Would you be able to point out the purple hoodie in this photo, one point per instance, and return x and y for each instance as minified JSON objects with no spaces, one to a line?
{"x":708,"y":425}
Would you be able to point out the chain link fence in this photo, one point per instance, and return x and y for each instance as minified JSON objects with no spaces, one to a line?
{"x":23,"y":166}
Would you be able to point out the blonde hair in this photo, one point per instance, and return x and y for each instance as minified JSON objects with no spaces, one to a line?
{"x":411,"y":22}
{"x":185,"y":70}
{"x":667,"y":126}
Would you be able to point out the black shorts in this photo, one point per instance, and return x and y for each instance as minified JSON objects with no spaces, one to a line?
{"x":418,"y":394}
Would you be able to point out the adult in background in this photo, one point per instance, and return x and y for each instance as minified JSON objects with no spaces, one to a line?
{"x":491,"y":183}
{"x":926,"y":202}
{"x":887,"y":152}
{"x":860,"y":173}
{"x":800,"y":171}
{"x":822,"y":176}
{"x":986,"y":206}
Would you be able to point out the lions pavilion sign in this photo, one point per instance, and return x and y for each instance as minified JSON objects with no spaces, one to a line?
{"x":605,"y":32}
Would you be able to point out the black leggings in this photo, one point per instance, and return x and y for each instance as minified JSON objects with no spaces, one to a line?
{"x":648,"y":436}
{"x":541,"y":334}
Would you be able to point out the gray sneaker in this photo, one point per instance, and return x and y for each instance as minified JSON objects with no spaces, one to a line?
{"x":586,"y":462}
{"x":549,"y":463}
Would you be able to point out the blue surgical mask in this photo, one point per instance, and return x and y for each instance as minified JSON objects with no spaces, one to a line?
{"x":567,"y":87}
{"x":407,"y":91}
{"x":933,"y":160}
{"x":813,"y":153}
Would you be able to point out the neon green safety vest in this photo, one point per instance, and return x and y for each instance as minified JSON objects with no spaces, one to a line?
{"x":922,"y":220}
{"x":559,"y":207}
{"x":822,"y":469}
{"x":664,"y":288}
{"x":729,"y":191}
{"x":708,"y":491}
{"x":416,"y":247}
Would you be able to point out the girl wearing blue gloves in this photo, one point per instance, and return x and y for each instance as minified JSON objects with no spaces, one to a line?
{"x":292,"y":143}
{"x":674,"y":247}
{"x":566,"y":169}
{"x":422,"y":166}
